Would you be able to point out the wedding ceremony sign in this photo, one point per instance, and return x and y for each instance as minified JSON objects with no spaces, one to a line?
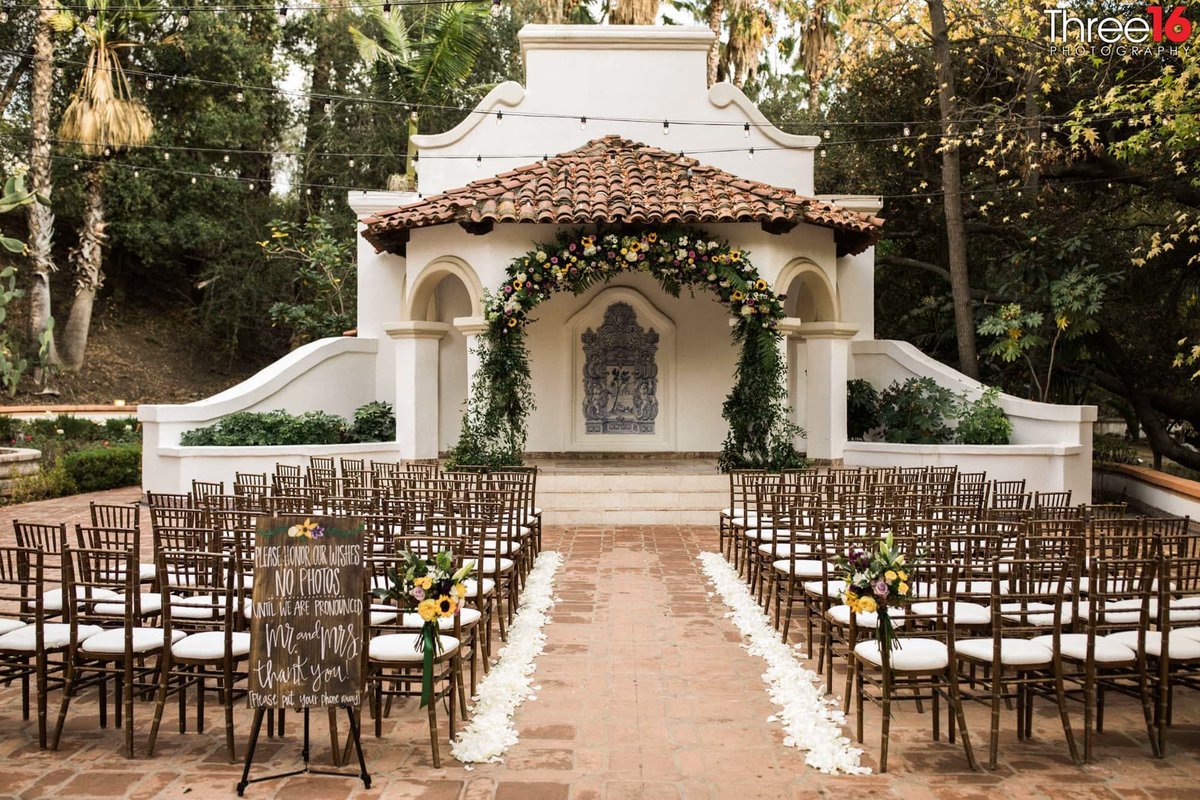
{"x":306,"y":627}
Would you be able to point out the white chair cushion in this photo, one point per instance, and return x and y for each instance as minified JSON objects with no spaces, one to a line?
{"x":1185,"y":609}
{"x":964,"y":613}
{"x":840,"y":615}
{"x":1187,"y":633}
{"x":1013,"y":652}
{"x":1118,"y":612}
{"x":1074,"y":646}
{"x":9,"y":625}
{"x":766,"y":534}
{"x":1040,"y":620}
{"x":112,"y":642}
{"x":983,"y":588}
{"x":52,"y":600}
{"x":467,"y":618}
{"x":55,"y":635}
{"x":210,"y":646}
{"x":150,"y":601}
{"x":803,"y":568}
{"x":1183,"y":648}
{"x":488,"y":565}
{"x":473,"y":587}
{"x":785,"y":549}
{"x":912,"y":654}
{"x":835,"y":588}
{"x":382,"y":614}
{"x":504,"y":547}
{"x":199,"y":606}
{"x":406,"y":648}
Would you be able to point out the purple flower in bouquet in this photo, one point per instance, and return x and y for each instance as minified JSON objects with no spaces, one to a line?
{"x":881,"y":589}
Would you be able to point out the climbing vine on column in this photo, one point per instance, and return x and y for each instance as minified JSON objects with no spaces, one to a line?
{"x":495,"y":425}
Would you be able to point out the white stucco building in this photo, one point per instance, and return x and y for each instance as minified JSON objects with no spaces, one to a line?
{"x":614,"y":124}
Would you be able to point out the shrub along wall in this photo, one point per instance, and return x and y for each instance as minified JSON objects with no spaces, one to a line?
{"x":373,"y":422}
{"x":920,"y":411}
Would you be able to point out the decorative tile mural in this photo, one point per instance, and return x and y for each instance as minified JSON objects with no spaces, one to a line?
{"x":620,"y":374}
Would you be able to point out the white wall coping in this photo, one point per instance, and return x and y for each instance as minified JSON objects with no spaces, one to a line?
{"x":262,"y":384}
{"x":368,"y":203}
{"x":997,"y":450}
{"x":274,"y":450}
{"x":915,"y":361}
{"x":615,"y":37}
{"x":865,"y":203}
{"x":509,"y":94}
{"x":17,"y":455}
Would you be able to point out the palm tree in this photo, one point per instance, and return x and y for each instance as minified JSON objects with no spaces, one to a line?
{"x":423,"y":57}
{"x":40,"y":217}
{"x":634,"y":12}
{"x":102,"y":117}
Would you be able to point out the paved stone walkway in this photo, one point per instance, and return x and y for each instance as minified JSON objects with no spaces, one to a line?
{"x":645,"y":693}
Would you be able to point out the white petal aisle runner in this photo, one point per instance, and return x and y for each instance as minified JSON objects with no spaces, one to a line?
{"x":491,"y":731}
{"x":811,"y":721}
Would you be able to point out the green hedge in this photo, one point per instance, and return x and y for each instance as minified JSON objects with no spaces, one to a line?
{"x":373,"y":422}
{"x":919,"y":411}
{"x":99,"y":468}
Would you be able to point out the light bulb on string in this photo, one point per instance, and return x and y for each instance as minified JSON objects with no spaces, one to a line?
{"x":137,"y":173}
{"x":387,"y":8}
{"x":240,"y":97}
{"x":746,"y":130}
{"x":824,"y":152}
{"x":283,"y":14}
{"x":928,"y":201}
{"x":107,"y":151}
{"x":91,"y":20}
{"x":328,"y":107}
{"x":750,"y":155}
{"x":185,"y":19}
{"x":825,"y":133}
{"x":225,"y":158}
{"x":666,"y":128}
{"x":193,"y":180}
{"x":149,"y":84}
{"x":583,"y":123}
{"x":478,"y":160}
{"x":166,"y":156}
{"x":545,"y":158}
{"x":499,"y":118}
{"x":495,"y":8}
{"x":907,"y":130}
{"x":350,"y":163}
{"x":895,"y":147}
{"x":3,"y":16}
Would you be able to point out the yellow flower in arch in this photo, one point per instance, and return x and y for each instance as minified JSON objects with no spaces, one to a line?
{"x":760,"y":284}
{"x":652,"y":237}
{"x":446,"y":606}
{"x":736,"y":296}
{"x":735,"y":255}
{"x":512,"y":322}
{"x":518,"y":284}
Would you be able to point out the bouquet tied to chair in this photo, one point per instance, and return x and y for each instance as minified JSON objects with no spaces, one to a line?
{"x":877,"y":582}
{"x":435,"y":590}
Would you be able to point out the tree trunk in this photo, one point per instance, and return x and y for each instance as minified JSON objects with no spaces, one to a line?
{"x":14,"y":80}
{"x":315,"y":122}
{"x":956,"y":234}
{"x":716,"y":10}
{"x":89,"y":259}
{"x":410,"y":151}
{"x":40,"y":217}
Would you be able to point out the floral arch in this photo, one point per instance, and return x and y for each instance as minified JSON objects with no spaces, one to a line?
{"x":494,"y":427}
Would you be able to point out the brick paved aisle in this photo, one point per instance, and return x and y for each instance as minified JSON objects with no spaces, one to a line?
{"x":645,"y":693}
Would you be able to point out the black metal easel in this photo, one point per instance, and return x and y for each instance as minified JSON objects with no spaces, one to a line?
{"x":354,"y":733}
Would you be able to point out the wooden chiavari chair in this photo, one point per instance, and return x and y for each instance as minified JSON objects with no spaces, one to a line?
{"x":108,"y":515}
{"x":202,"y":489}
{"x":50,"y":540}
{"x":738,"y":511}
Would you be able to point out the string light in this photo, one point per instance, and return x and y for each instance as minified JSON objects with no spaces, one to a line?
{"x":240,"y":97}
{"x":184,"y":19}
{"x":746,"y":130}
{"x":907,"y":130}
{"x":825,"y":133}
{"x":495,"y":8}
{"x":824,"y":152}
{"x":895,"y":147}
{"x":750,"y":155}
{"x":283,"y":9}
{"x":225,"y":158}
{"x":583,"y":123}
{"x":499,"y":118}
{"x":387,"y":8}
{"x":3,"y":16}
{"x":666,"y":128}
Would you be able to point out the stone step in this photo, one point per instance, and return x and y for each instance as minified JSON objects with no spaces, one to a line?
{"x":624,"y":497}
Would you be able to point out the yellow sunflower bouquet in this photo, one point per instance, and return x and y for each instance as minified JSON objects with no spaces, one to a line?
{"x":435,"y":589}
{"x":876,"y":583}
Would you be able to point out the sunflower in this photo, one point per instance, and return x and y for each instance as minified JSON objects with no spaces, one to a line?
{"x":428,"y":609}
{"x":735,"y":255}
{"x":512,"y":322}
{"x":652,"y":238}
{"x":736,"y":295}
{"x":760,"y":284}
{"x":446,"y":605}
{"x":518,"y":284}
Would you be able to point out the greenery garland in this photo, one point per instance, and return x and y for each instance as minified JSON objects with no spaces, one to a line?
{"x":760,"y":435}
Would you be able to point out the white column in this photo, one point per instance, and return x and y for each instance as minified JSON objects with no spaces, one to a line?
{"x":471,"y":328}
{"x":827,"y":346}
{"x":792,"y":348}
{"x":417,"y":386}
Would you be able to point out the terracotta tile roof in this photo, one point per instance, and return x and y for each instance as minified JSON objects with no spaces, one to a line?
{"x":615,"y":180}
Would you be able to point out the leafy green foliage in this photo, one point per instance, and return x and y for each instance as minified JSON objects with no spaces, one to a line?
{"x":50,"y":482}
{"x":100,"y":468}
{"x":374,"y":422}
{"x":983,"y":421}
{"x":56,"y":436}
{"x":862,"y":409}
{"x":1113,"y":448}
{"x":324,"y":279}
{"x":262,"y":428}
{"x":915,"y":412}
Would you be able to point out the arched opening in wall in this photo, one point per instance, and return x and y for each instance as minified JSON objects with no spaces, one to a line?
{"x":449,"y":299}
{"x":810,"y":295}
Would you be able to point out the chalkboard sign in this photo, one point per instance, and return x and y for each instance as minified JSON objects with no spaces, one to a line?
{"x":306,"y":624}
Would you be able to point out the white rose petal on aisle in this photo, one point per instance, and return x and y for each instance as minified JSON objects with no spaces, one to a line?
{"x":491,"y":731}
{"x":811,"y":721}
